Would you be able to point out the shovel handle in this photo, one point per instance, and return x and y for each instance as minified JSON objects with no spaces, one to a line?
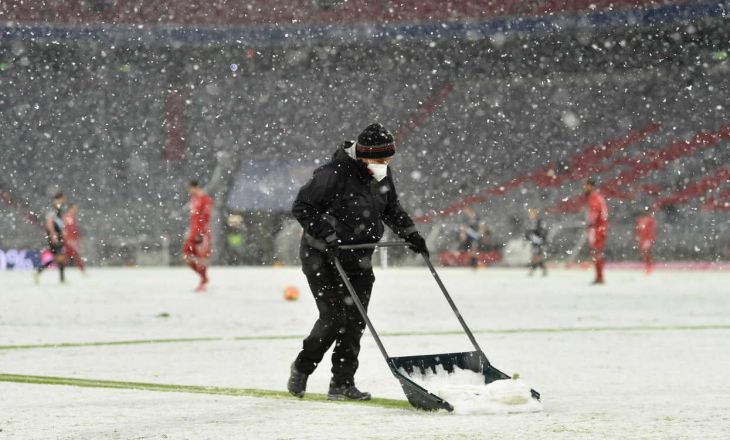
{"x":374,"y":245}
{"x":440,"y":283}
{"x":360,"y":308}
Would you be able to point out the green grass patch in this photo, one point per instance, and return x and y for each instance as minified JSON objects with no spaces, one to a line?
{"x":635,"y":328}
{"x":194,"y":389}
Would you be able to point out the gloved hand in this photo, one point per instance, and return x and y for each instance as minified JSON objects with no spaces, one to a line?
{"x":417,"y":243}
{"x":333,"y":248}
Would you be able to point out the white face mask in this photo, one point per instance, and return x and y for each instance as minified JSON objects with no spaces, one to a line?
{"x":379,"y":170}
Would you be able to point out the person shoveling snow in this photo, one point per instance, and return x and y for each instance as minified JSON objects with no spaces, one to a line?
{"x":475,"y":361}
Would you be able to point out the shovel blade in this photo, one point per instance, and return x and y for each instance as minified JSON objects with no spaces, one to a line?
{"x":427,"y":364}
{"x":419,"y":397}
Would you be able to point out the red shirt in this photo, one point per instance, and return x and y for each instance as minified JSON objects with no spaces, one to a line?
{"x":200,"y":207}
{"x":70,"y":231}
{"x":597,"y":212}
{"x":646,"y":228}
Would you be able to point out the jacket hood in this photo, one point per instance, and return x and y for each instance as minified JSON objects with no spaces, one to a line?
{"x":341,"y":156}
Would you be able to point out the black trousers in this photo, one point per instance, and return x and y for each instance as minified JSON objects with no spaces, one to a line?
{"x":57,"y":249}
{"x":538,"y":258}
{"x":339,"y":322}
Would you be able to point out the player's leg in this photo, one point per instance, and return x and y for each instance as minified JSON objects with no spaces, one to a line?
{"x":61,"y":270}
{"x":649,"y":262}
{"x":57,"y":258}
{"x":347,"y":348}
{"x":473,"y":249}
{"x":598,"y":262}
{"x":195,"y":255}
{"x":202,"y":253}
{"x":72,"y":254}
{"x":331,"y":320}
{"x":44,"y":266}
{"x":327,"y":295}
{"x":646,"y":254}
{"x":191,"y":262}
{"x":189,"y":256}
{"x":199,"y":266}
{"x":60,"y":258}
{"x":541,"y":262}
{"x":596,"y":240}
{"x":41,"y":268}
{"x":533,"y":263}
{"x":203,"y":269}
{"x":202,"y":265}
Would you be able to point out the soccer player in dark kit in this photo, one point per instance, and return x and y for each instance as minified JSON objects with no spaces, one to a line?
{"x":536,"y":235}
{"x":54,"y":235}
{"x":346,"y":202}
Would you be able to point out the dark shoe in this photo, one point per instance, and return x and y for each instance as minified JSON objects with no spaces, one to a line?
{"x":597,"y":282}
{"x":297,"y":384}
{"x":346,"y":392}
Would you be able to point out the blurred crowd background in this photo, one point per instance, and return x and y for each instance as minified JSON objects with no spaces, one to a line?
{"x":497,"y":107}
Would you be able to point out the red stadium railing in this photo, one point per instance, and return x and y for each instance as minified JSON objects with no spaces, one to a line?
{"x":720,"y":202}
{"x":595,"y":160}
{"x":650,"y":161}
{"x":698,"y":189}
{"x":583,"y":164}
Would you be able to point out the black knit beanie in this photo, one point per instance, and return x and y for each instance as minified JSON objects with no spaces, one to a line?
{"x":375,"y":142}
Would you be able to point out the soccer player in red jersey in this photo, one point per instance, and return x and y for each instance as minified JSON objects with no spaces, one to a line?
{"x":597,"y":225}
{"x":197,"y":248}
{"x":72,"y":237}
{"x":646,"y":236}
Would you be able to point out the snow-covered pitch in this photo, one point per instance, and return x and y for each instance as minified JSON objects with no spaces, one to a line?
{"x":641,"y":357}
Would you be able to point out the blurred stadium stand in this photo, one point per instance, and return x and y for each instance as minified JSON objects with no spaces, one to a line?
{"x":300,"y":12}
{"x":120,"y":102}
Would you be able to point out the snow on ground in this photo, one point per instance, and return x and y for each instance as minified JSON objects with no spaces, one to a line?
{"x":466,"y":391}
{"x":641,"y":357}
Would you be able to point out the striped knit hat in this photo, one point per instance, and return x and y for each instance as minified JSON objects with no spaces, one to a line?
{"x":375,"y":142}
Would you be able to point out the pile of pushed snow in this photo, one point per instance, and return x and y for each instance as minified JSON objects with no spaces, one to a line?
{"x":466,"y":391}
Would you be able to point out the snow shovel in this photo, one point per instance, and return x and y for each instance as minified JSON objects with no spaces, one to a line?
{"x":418,"y":396}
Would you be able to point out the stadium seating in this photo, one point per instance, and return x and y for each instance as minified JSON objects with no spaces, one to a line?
{"x":97,"y":130}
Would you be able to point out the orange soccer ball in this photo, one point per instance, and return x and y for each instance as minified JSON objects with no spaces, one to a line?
{"x":291,"y":293}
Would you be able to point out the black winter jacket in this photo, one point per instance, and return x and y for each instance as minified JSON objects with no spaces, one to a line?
{"x":343,"y":200}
